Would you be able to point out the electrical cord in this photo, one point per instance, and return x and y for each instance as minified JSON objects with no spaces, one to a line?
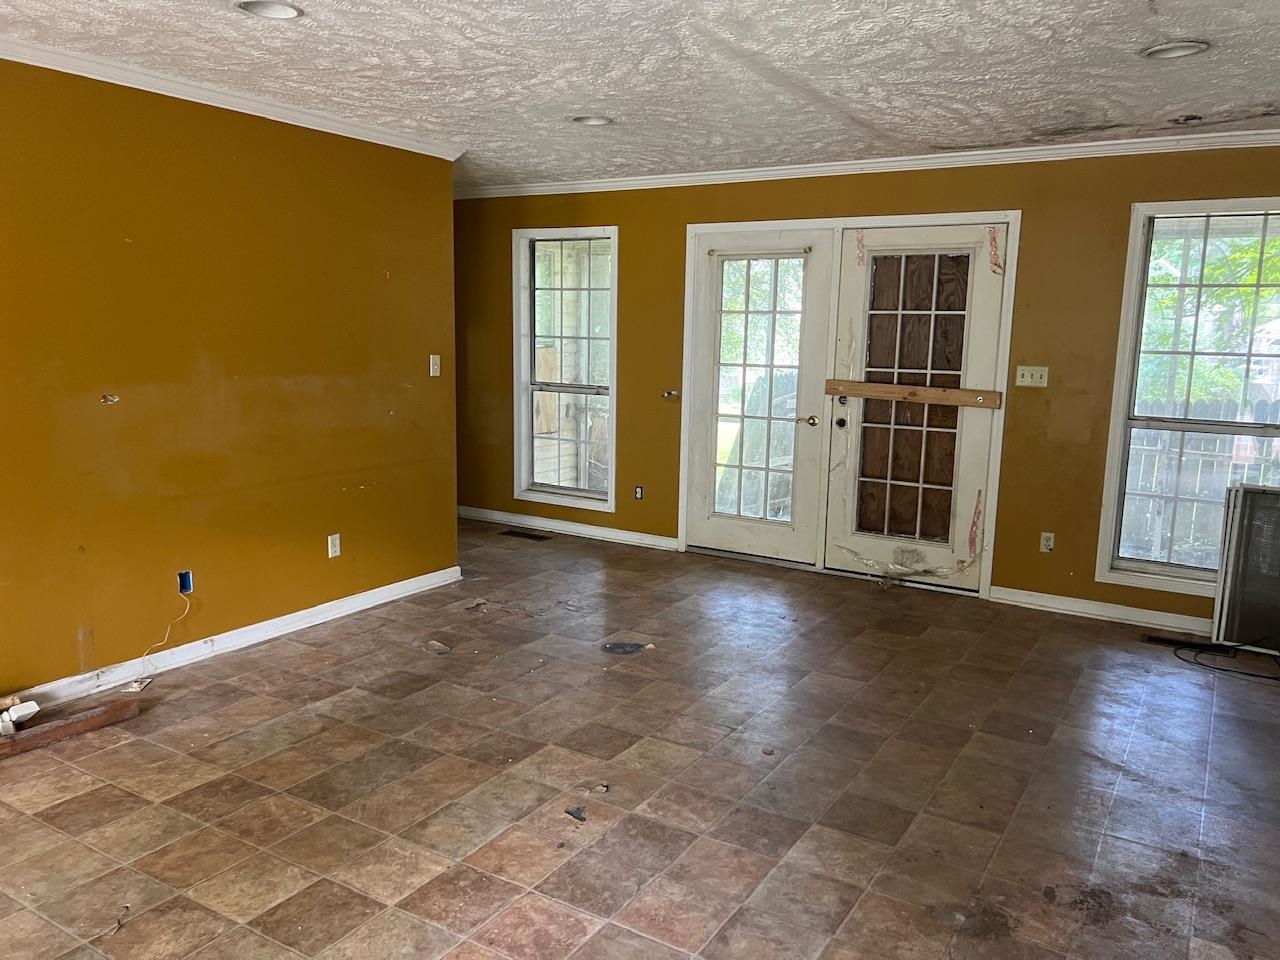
{"x":1195,"y":660}
{"x":167,"y":630}
{"x":1220,"y":650}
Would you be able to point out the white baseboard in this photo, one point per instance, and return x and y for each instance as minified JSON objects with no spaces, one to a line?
{"x":1095,"y":610}
{"x":568,"y":527}
{"x":95,"y":681}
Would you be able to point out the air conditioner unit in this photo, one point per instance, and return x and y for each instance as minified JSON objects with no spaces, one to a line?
{"x":1247,"y":608}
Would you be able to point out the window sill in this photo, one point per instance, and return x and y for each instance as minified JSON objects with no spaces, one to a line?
{"x":1167,"y":582}
{"x":566,"y":500}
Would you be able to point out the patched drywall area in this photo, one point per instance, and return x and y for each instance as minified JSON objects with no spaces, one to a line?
{"x":1075,"y":224}
{"x":216,"y":343}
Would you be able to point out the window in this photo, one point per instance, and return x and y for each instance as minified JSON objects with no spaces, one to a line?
{"x":1198,"y":388}
{"x":565,"y":282}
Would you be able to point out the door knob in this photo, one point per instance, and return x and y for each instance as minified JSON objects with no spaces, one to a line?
{"x":810,"y":420}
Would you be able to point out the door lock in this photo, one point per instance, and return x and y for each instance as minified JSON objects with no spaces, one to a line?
{"x":810,"y":420}
{"x":841,"y":422}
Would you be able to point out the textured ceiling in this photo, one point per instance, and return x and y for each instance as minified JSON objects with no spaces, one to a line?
{"x":703,"y":84}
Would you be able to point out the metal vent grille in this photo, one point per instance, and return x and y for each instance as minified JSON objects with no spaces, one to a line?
{"x":1248,"y":608}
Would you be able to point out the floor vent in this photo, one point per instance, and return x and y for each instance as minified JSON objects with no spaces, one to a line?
{"x":526,"y":535}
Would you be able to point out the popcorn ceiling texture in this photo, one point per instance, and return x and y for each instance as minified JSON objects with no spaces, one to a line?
{"x":703,"y":85}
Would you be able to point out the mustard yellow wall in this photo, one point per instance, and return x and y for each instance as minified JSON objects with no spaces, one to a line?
{"x":1066,"y":315}
{"x":263,"y":300}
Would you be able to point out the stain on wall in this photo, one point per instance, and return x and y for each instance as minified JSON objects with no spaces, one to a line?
{"x":262,"y":300}
{"x":1066,"y":315}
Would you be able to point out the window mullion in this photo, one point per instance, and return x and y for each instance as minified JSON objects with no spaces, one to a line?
{"x":1230,"y":428}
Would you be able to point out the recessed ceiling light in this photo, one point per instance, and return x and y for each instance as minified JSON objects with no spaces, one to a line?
{"x":592,"y":120}
{"x":1172,"y":49}
{"x":270,"y":9}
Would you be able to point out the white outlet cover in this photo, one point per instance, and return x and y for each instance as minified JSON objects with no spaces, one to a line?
{"x":335,"y":545}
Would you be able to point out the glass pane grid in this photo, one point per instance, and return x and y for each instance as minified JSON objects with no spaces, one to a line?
{"x":1210,"y":345}
{"x":915,"y":336}
{"x":1175,"y":487}
{"x":758,"y":370}
{"x":571,"y":298}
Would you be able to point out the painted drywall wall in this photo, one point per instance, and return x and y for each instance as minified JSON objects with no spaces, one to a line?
{"x":262,"y":299}
{"x":1066,"y":315}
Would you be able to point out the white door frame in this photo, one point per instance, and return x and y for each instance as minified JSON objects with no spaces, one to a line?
{"x":837,"y":226}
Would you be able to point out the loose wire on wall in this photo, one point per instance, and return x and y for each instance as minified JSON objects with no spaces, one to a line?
{"x":138,"y":682}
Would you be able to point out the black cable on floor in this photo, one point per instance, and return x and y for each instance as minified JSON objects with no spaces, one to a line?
{"x":1220,"y":650}
{"x":1195,"y":660}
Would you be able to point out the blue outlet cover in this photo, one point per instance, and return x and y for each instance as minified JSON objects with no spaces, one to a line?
{"x":184,"y":581}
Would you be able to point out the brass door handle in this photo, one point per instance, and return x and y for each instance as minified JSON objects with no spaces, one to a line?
{"x":810,"y":420}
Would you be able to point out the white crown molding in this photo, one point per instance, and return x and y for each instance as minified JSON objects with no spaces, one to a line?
{"x":97,"y":68}
{"x":95,"y":681}
{"x":568,"y":527}
{"x":1095,"y":610}
{"x":932,"y":161}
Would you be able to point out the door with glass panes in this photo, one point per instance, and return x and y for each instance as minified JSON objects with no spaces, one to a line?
{"x":918,"y":306}
{"x":757,"y":413}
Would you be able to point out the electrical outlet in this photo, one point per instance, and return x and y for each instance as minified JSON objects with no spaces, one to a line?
{"x":1046,"y":543}
{"x":185,"y":583}
{"x":335,"y":545}
{"x":435,"y":365}
{"x":1032,"y":377}
{"x":639,"y":492}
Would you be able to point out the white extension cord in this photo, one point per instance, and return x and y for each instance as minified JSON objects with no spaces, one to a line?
{"x":139,"y":683}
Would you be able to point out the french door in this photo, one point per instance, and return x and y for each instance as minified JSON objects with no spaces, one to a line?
{"x":778,"y":469}
{"x":919,"y":306}
{"x":757,"y":409}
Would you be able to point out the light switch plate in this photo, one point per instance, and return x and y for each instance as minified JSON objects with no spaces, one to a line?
{"x":1032,"y":377}
{"x":435,"y":365}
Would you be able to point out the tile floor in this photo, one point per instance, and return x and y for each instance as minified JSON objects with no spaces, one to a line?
{"x":802,"y":767}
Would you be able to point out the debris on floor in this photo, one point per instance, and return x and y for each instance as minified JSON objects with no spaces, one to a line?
{"x":65,"y":721}
{"x":435,"y":646}
{"x":15,"y":711}
{"x":980,"y":920}
{"x":578,"y":813}
{"x":124,"y":915}
{"x":626,"y":649}
{"x":479,"y":603}
{"x":1097,"y":905}
{"x":767,"y":751}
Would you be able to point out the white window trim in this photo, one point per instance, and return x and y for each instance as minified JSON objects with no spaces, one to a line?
{"x":522,"y":340}
{"x":1111,"y":569}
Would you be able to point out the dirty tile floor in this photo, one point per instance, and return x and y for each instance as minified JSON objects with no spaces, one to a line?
{"x":801,"y":767}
